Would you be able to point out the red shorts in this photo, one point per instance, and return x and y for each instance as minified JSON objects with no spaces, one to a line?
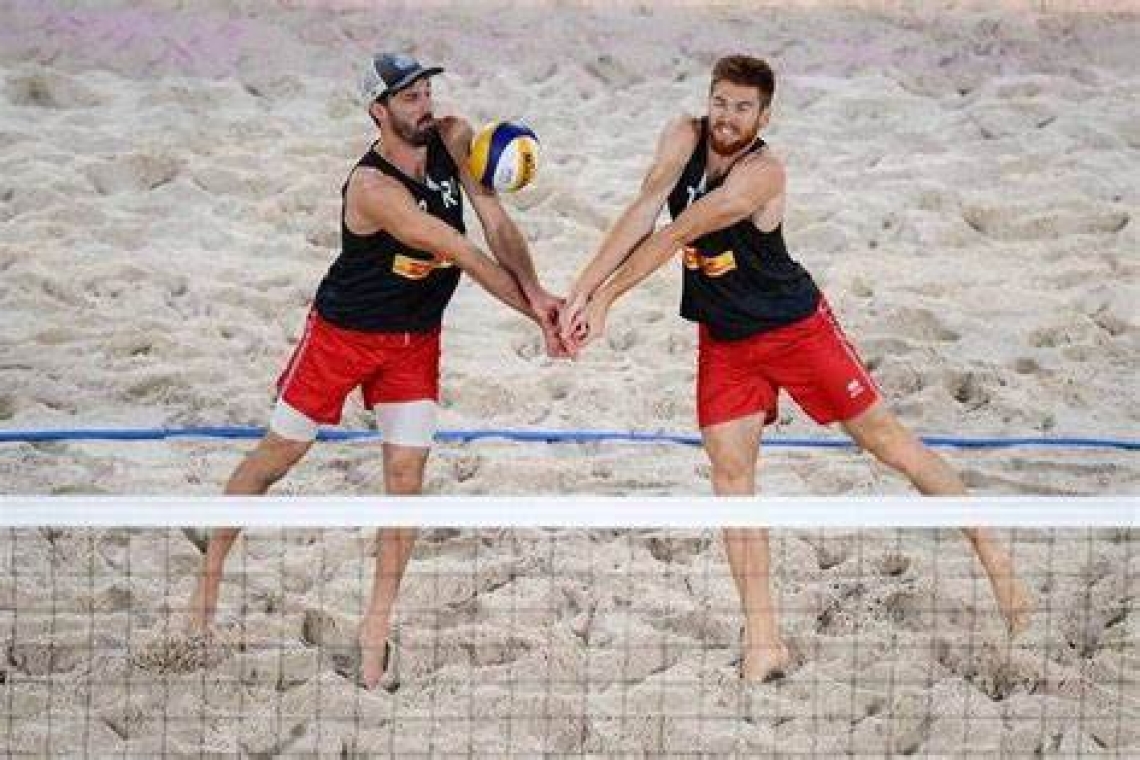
{"x":810,"y":359}
{"x":331,"y":361}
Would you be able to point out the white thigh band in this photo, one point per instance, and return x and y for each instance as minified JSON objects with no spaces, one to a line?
{"x":287,"y":422}
{"x":407,"y":423}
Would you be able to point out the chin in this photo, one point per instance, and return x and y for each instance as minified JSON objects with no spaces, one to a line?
{"x":423,"y":137}
{"x":727,"y":149}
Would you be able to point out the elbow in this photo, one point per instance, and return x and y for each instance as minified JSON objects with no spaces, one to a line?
{"x":449,"y":249}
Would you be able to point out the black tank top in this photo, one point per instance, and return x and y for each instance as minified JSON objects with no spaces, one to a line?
{"x":378,"y":284}
{"x":739,"y":281}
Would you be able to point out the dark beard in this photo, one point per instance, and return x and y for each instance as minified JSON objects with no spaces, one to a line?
{"x":417,"y":136}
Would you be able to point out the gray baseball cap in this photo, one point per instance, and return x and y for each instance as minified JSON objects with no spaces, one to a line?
{"x":388,"y":73}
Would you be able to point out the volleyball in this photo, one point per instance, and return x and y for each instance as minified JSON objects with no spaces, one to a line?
{"x":504,"y":156}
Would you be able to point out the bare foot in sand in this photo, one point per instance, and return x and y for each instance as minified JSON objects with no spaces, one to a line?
{"x":764,"y":661}
{"x":200,"y":612}
{"x":1016,"y":603}
{"x":376,"y":656}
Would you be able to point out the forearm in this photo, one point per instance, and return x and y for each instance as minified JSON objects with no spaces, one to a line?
{"x":631,"y":229}
{"x":510,"y":248}
{"x":496,"y":280}
{"x":646,"y":259}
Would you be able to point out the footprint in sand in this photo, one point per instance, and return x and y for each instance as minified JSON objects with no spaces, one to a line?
{"x":1001,"y":673}
{"x":1016,"y":223}
{"x":829,"y":554}
{"x":49,"y":90}
{"x":969,"y":389}
{"x":132,"y":173}
{"x":528,"y":347}
{"x":612,"y":73}
{"x":908,"y":606}
{"x":60,"y":652}
{"x":335,"y":636}
{"x":7,"y":407}
{"x":1060,"y":336}
{"x":154,"y":385}
{"x":484,"y":398}
{"x":680,"y":344}
{"x":466,"y":467}
{"x":1026,"y":365}
{"x":556,"y":388}
{"x":666,"y":408}
{"x":893,"y":564}
{"x":666,"y":547}
{"x":876,"y":350}
{"x":624,"y":339}
{"x":996,"y":120}
{"x":921,"y":324}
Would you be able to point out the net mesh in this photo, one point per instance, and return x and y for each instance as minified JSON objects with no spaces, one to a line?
{"x":566,"y":640}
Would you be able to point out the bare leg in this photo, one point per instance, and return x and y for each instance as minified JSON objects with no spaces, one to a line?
{"x":260,"y":469}
{"x":733,"y":448}
{"x":878,"y":431}
{"x":403,"y":476}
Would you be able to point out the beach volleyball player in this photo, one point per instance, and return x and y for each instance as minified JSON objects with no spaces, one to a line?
{"x":375,"y":322}
{"x":763,"y":326}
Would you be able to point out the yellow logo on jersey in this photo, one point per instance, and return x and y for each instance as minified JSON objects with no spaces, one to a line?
{"x":712,"y":266}
{"x":416,"y":269}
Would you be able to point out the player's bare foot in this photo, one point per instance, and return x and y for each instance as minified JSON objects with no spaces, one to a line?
{"x":765,"y":662}
{"x":376,"y":657}
{"x":200,"y":612}
{"x":1016,"y":603}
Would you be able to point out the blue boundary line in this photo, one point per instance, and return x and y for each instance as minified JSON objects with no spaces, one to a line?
{"x":547,"y":436}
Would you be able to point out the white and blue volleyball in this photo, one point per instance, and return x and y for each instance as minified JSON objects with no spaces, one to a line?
{"x":504,"y":156}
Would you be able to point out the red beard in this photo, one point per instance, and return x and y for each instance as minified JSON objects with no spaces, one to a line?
{"x":723,"y":148}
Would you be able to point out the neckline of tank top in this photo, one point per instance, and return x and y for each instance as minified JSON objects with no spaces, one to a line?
{"x":421,"y":182}
{"x":757,"y":144}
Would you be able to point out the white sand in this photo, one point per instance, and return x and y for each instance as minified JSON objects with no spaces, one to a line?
{"x":963,"y":184}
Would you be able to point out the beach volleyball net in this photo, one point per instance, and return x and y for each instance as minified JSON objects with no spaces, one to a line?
{"x":535,"y":625}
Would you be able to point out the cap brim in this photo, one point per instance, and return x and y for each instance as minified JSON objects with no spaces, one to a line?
{"x":412,"y":78}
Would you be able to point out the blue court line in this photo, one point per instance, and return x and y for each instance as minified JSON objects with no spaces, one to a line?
{"x":549,"y":436}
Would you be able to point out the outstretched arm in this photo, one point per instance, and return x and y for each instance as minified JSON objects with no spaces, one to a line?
{"x":754,"y":182}
{"x":636,"y":222}
{"x":382,"y":200}
{"x":507,"y":243}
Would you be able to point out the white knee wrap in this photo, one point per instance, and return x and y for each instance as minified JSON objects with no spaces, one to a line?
{"x":407,"y":423}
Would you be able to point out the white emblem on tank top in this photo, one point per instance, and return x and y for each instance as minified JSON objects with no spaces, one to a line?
{"x":697,"y":191}
{"x":446,"y":189}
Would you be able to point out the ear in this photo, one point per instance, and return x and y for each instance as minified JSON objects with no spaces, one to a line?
{"x":765,"y":116}
{"x":377,"y":111}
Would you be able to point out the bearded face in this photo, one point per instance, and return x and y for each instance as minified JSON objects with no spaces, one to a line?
{"x":413,"y":130}
{"x":410,"y":113}
{"x":735,"y":117}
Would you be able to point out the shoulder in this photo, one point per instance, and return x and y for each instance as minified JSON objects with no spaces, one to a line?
{"x":681,"y":133}
{"x":369,"y":182}
{"x":763,"y":162}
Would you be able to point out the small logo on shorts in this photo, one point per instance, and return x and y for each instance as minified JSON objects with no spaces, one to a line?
{"x":855,"y":388}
